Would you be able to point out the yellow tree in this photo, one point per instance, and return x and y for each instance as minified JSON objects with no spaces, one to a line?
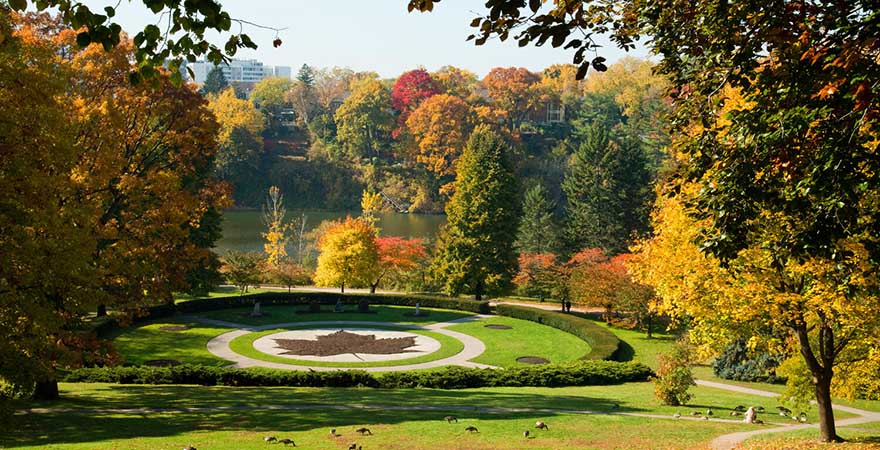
{"x":276,"y":229}
{"x":348,"y":255}
{"x":441,"y":126}
{"x":240,"y":134}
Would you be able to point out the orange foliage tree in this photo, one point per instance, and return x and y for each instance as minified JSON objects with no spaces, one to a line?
{"x":441,"y":126}
{"x":515,"y":90}
{"x":397,"y":256}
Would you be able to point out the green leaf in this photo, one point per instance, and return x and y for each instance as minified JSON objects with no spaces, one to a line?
{"x":83,"y":39}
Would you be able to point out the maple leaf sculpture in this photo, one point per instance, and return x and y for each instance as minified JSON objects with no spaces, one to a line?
{"x":344,"y":342}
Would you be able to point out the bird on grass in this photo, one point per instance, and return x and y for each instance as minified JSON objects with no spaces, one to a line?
{"x":705,"y":417}
{"x":472,"y":429}
{"x":189,"y":447}
{"x":783,"y":411}
{"x":696,"y":413}
{"x":677,"y":415}
{"x":333,"y":432}
{"x":802,"y":417}
{"x":287,"y":442}
{"x":354,"y":446}
{"x":541,"y":425}
{"x":363,"y":430}
{"x":526,"y":434}
{"x":735,"y":413}
{"x":740,"y":408}
{"x":709,"y":412}
{"x":268,"y":439}
{"x":450,"y":419}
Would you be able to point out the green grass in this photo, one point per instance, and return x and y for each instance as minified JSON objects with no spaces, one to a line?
{"x":809,"y":439}
{"x":287,"y":313}
{"x":638,"y":347}
{"x":147,"y":342}
{"x":244,"y":345}
{"x":524,"y":338}
{"x":418,"y":428}
{"x":226,"y":291}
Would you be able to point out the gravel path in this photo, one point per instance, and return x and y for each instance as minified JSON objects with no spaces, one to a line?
{"x":473,"y":347}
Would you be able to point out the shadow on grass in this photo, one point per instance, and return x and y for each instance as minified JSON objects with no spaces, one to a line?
{"x":70,"y":428}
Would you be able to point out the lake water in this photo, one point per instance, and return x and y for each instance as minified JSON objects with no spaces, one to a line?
{"x":241,"y":229}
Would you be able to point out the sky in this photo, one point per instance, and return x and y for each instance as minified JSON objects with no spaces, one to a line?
{"x":376,"y":35}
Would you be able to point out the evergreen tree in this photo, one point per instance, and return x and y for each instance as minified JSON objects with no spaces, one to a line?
{"x":607,"y":190}
{"x":474,"y":251}
{"x":538,"y":231}
{"x":215,"y":82}
{"x":306,"y":76}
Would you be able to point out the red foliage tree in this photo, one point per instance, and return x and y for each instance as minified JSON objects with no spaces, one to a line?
{"x":396,"y":256}
{"x":408,"y":92}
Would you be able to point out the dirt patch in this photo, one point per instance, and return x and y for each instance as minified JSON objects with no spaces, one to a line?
{"x":162,"y":362}
{"x":342,"y":342}
{"x":498,"y":327}
{"x":174,"y":328}
{"x":532,"y":360}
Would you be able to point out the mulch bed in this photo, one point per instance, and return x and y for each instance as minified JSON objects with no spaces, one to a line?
{"x":532,"y":360}
{"x":162,"y":362}
{"x":343,"y":342}
{"x":498,"y":327}
{"x":174,"y":328}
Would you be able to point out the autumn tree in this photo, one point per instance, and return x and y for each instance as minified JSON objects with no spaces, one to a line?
{"x":457,"y":82}
{"x":364,"y":121}
{"x":607,"y":193}
{"x":474,"y":251}
{"x":289,"y":274}
{"x":408,"y":92}
{"x":348,"y":255}
{"x":240,"y":135}
{"x":215,"y":82}
{"x":538,"y":230}
{"x":276,"y":234}
{"x":513,"y":90}
{"x":441,"y":126}
{"x":243,"y":269}
{"x":537,"y":275}
{"x":397,"y":256}
{"x":270,"y":98}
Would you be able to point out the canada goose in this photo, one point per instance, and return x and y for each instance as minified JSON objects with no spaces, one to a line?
{"x":450,"y":419}
{"x":740,"y":408}
{"x":705,"y":417}
{"x":541,"y":425}
{"x":353,"y":446}
{"x":472,"y":429}
{"x":709,"y":412}
{"x":333,"y":432}
{"x":270,"y":439}
{"x":759,"y":409}
{"x":677,"y":415}
{"x":802,"y":417}
{"x":363,"y":430}
{"x":287,"y":442}
{"x":696,"y":413}
{"x":189,"y":447}
{"x":526,"y":434}
{"x":735,"y":413}
{"x":783,"y":411}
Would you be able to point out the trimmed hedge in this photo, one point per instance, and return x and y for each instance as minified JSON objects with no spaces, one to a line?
{"x":603,"y":343}
{"x":585,"y":373}
{"x":330,"y":298}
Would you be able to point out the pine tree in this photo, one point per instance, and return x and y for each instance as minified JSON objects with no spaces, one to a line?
{"x":607,"y":190}
{"x":538,"y":231}
{"x":306,"y":76}
{"x":474,"y":251}
{"x":215,"y":82}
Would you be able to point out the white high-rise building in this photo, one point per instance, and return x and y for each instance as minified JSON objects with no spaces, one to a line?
{"x":239,"y":71}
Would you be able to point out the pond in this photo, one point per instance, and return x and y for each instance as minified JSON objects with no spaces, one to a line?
{"x":241,"y":229}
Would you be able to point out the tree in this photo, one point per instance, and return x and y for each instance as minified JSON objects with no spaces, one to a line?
{"x":515,"y":91}
{"x":215,"y":82}
{"x":276,"y":229}
{"x":607,"y":193}
{"x":270,"y":98}
{"x":473,"y":251}
{"x":537,"y":275}
{"x":456,"y":82}
{"x":441,"y":126}
{"x":348,"y":254}
{"x":538,"y":232}
{"x":306,"y":76}
{"x":239,"y":137}
{"x":397,"y":256}
{"x":289,"y":275}
{"x":408,"y":92}
{"x":363,"y":121}
{"x":243,"y":269}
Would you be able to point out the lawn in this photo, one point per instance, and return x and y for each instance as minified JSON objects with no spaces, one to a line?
{"x":288,"y":313}
{"x":809,"y":439}
{"x":400,"y":418}
{"x":150,"y":342}
{"x":524,"y":338}
{"x":243,"y":345}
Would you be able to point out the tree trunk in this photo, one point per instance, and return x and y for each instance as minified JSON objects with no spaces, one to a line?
{"x":373,"y":288}
{"x":46,"y":390}
{"x":102,"y":310}
{"x":821,"y":367}
{"x":649,"y":320}
{"x":343,"y":287}
{"x":827,"y":428}
{"x":478,"y":290}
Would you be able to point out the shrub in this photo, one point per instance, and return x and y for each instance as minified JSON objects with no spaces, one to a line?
{"x":603,"y":343}
{"x":674,"y":376}
{"x":585,"y":373}
{"x":737,"y":363}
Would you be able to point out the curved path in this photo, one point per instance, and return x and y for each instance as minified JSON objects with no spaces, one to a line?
{"x":732,"y":440}
{"x":473,"y":347}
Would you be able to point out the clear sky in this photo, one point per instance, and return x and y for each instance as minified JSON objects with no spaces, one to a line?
{"x":377,"y":35}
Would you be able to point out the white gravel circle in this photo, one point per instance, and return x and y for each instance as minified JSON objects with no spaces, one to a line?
{"x":424,"y":345}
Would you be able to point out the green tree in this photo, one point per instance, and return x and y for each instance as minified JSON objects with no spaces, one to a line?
{"x":215,"y":82}
{"x":474,"y":252}
{"x":364,"y":121}
{"x":240,"y":136}
{"x":243,"y":269}
{"x":607,"y":190}
{"x":270,"y":98}
{"x":306,"y":76}
{"x":538,"y":230}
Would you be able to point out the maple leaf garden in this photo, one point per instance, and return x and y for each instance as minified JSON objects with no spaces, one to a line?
{"x":678,"y":252}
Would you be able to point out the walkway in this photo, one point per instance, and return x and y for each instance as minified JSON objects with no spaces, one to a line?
{"x":732,"y":440}
{"x":473,"y":347}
